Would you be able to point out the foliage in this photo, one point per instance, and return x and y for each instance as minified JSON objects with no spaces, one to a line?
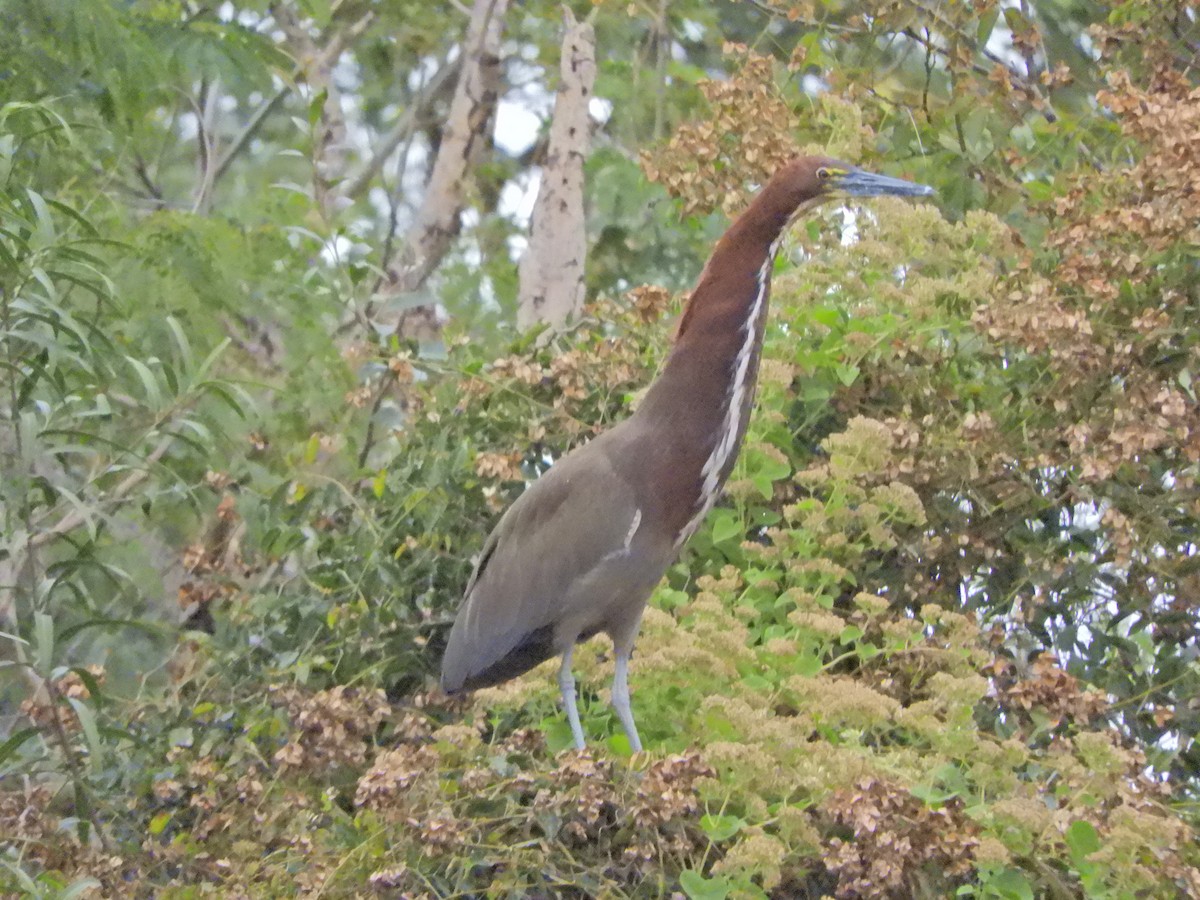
{"x":938,"y":639}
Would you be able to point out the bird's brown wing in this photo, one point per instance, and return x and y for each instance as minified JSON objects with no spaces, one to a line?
{"x":547,"y":543}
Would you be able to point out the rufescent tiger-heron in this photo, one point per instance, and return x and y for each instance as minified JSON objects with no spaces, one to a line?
{"x":582,"y":549}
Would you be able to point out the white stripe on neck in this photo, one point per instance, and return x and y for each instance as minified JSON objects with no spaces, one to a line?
{"x":726,"y":444}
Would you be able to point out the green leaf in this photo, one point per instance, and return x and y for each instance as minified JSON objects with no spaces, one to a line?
{"x":619,"y":745}
{"x":91,"y":734}
{"x":766,"y":470}
{"x":1082,"y":839}
{"x":987,"y":22}
{"x":211,"y":359}
{"x":850,"y":634}
{"x":1185,"y":382}
{"x":28,"y":884}
{"x":725,"y":526}
{"x":90,"y":682}
{"x":827,"y":316}
{"x":809,"y":665}
{"x":149,"y":383}
{"x":930,"y":795}
{"x":13,"y":744}
{"x":149,"y":628}
{"x":697,"y":887}
{"x":847,"y":373}
{"x":79,"y":888}
{"x":182,"y":344}
{"x":317,"y":106}
{"x":1016,"y":20}
{"x":558,"y":734}
{"x":668,"y":598}
{"x":1009,"y":884}
{"x":159,"y":823}
{"x":721,"y":828}
{"x":311,"y":448}
{"x":815,"y":392}
{"x":757,"y":682}
{"x":45,"y":232}
{"x":43,"y":642}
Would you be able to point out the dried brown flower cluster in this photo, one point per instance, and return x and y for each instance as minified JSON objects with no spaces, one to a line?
{"x":50,"y":707}
{"x":26,"y":817}
{"x":519,"y":368}
{"x":578,"y":799}
{"x":1110,"y":232}
{"x":899,"y":845}
{"x":393,"y":773}
{"x":665,"y":810}
{"x":650,"y":302}
{"x":1050,"y":691}
{"x":668,"y":790}
{"x":707,"y":164}
{"x":331,"y":728}
{"x":581,"y":796}
{"x":569,"y":374}
{"x":578,"y":382}
{"x":214,"y":561}
{"x":499,"y":466}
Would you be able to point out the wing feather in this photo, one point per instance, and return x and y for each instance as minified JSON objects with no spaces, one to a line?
{"x":567,"y":523}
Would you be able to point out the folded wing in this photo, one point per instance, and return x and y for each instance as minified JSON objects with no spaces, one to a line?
{"x":534,"y":569}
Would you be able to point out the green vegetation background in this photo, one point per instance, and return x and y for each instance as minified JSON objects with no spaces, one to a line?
{"x":940,"y":638}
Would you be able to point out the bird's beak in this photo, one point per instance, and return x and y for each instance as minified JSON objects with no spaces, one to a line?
{"x":857,"y":183}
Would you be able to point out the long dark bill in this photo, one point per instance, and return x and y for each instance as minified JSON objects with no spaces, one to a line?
{"x":858,"y":183}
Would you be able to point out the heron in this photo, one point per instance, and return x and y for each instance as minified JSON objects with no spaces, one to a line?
{"x":582,"y":549}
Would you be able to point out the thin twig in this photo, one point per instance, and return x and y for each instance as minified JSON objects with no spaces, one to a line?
{"x":369,"y":438}
{"x":74,"y":519}
{"x":143,"y":173}
{"x":59,"y":728}
{"x":206,"y":110}
{"x":334,"y":48}
{"x":243,"y":138}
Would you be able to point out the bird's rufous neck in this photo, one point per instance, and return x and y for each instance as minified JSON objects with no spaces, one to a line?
{"x":700,"y":404}
{"x":728,"y":285}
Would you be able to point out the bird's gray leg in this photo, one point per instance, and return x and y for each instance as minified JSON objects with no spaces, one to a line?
{"x":620,"y":700}
{"x":566,"y":684}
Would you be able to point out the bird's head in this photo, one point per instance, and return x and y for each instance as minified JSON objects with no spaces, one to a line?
{"x":808,"y":180}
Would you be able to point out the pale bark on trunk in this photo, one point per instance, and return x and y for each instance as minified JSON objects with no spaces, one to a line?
{"x":465,"y":137}
{"x":551,"y":270}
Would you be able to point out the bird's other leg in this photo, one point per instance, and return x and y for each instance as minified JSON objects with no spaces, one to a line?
{"x":620,"y":699}
{"x":566,"y":684}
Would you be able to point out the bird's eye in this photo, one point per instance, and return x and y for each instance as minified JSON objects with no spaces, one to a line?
{"x":823,"y":173}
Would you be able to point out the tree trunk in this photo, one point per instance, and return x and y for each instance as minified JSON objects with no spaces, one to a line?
{"x":552,"y":268}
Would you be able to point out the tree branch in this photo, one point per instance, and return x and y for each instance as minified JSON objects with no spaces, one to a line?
{"x":310,"y":58}
{"x":205,"y":110}
{"x":74,"y":519}
{"x":243,"y":139}
{"x":471,"y":114}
